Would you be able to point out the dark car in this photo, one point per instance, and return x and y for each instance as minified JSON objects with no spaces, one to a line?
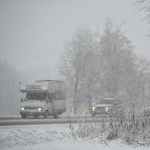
{"x":106,"y":106}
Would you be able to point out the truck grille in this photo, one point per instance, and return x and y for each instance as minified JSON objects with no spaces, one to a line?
{"x":29,"y":109}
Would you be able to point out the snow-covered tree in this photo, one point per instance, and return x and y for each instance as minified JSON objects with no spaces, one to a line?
{"x":96,"y":66}
{"x":118,"y":60}
{"x":75,"y":65}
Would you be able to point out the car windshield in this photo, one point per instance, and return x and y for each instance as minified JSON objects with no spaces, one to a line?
{"x":105,"y":101}
{"x":36,"y":96}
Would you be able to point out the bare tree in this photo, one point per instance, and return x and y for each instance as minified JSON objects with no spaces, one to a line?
{"x":118,"y":56}
{"x":73,"y":63}
{"x":141,"y":78}
{"x":144,"y":5}
{"x":92,"y":71}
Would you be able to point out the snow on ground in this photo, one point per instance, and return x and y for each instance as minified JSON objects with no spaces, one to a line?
{"x":54,"y":137}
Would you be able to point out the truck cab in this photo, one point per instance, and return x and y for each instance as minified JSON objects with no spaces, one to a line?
{"x":43,"y":98}
{"x":105,"y":106}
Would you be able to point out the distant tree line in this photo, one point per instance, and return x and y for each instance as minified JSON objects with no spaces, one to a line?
{"x":9,"y":93}
{"x":96,"y":66}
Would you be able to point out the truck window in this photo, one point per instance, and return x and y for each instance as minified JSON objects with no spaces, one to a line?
{"x":36,"y":96}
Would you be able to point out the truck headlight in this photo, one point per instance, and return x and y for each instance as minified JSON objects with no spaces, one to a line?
{"x":39,"y":109}
{"x":93,"y":109}
{"x":22,"y":108}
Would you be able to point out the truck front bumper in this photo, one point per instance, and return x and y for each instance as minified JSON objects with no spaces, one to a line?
{"x":31,"y":113}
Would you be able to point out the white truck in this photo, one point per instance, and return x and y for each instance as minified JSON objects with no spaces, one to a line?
{"x":43,"y":98}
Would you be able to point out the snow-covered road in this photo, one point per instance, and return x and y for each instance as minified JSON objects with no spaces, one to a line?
{"x":54,"y":137}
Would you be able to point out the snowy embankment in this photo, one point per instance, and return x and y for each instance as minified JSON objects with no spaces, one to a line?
{"x":56,"y":137}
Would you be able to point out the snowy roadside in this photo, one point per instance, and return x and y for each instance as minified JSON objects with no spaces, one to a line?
{"x":54,"y":137}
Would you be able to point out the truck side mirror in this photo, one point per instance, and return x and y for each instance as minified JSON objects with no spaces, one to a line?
{"x":21,"y":99}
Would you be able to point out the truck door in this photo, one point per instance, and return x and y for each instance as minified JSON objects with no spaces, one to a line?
{"x":49,"y":103}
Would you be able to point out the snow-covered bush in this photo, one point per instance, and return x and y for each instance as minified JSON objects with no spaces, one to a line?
{"x":130,"y":127}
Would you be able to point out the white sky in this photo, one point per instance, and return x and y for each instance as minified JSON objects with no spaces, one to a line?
{"x":32,"y":32}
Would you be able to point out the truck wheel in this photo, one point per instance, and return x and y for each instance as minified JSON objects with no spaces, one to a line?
{"x":56,"y":115}
{"x":46,"y":114}
{"x":23,"y":116}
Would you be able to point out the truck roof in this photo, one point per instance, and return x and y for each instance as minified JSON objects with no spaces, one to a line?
{"x":33,"y":87}
{"x":41,"y":86}
{"x":47,"y":80}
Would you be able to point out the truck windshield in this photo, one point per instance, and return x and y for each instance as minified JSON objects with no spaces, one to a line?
{"x":104,"y":101}
{"x":36,"y":96}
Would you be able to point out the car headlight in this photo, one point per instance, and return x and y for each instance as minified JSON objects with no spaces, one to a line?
{"x":22,"y":108}
{"x":93,"y":109}
{"x":106,"y":109}
{"x":39,"y":109}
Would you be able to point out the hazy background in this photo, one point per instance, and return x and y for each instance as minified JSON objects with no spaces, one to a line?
{"x":32,"y":33}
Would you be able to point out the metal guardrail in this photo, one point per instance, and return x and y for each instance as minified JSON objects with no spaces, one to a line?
{"x":31,"y":117}
{"x":10,"y":121}
{"x":43,"y":121}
